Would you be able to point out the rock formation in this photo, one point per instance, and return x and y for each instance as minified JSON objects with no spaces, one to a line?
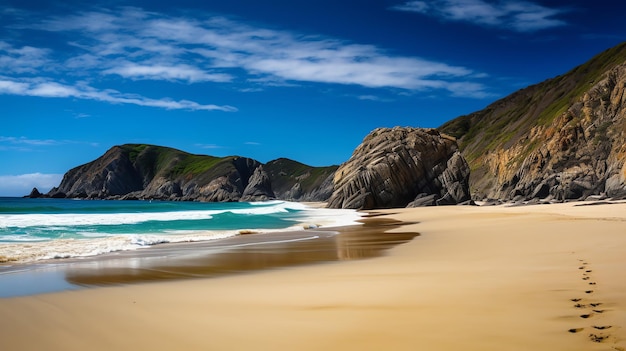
{"x":135,"y":171}
{"x":259,"y":187}
{"x":295,"y":181}
{"x":559,"y":140}
{"x":34,"y":194}
{"x":395,"y":167}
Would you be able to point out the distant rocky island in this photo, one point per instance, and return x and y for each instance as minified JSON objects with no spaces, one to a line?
{"x":563,"y":139}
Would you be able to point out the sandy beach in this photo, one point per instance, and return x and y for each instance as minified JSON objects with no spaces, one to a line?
{"x":542,"y":277}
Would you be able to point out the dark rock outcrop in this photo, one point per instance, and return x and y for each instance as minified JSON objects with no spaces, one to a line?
{"x":393,"y":167}
{"x":34,"y":194}
{"x":259,"y":187}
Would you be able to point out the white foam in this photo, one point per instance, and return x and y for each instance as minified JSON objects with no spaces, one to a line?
{"x":74,"y":219}
{"x":69,"y":248}
{"x":30,"y":248}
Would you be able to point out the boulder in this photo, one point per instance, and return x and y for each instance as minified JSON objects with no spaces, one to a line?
{"x":396,"y":166}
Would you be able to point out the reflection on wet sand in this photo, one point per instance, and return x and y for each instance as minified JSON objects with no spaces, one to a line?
{"x":239,"y":254}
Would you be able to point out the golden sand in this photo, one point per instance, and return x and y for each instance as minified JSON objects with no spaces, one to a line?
{"x":544,"y":277}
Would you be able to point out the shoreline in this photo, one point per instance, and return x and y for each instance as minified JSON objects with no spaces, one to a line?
{"x":203,"y":259}
{"x":478,"y":278}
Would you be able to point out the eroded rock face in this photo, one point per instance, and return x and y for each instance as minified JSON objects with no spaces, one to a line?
{"x":109,"y":175}
{"x":562,"y":139}
{"x":581,"y":153}
{"x":392,"y":167}
{"x":259,"y":187}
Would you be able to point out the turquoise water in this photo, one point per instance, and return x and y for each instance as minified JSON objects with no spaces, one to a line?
{"x":34,"y":229}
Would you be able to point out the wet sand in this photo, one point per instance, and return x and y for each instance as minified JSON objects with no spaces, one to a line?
{"x":214,"y":258}
{"x":545,"y":277}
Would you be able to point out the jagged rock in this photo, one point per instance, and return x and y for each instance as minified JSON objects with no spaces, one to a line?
{"x":111,"y":174}
{"x":34,"y":194}
{"x":259,"y":187}
{"x":423,"y":200}
{"x":392,"y":167}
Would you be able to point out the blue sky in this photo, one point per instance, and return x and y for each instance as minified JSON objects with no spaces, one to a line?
{"x":305,"y":80}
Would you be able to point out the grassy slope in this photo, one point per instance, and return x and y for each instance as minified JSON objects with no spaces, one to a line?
{"x":507,"y":120}
{"x":171,"y":163}
{"x":285,"y":173}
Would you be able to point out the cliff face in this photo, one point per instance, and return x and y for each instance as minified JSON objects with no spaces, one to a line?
{"x":401,"y":166}
{"x":561,"y":139}
{"x":153,"y":172}
{"x":294,"y":181}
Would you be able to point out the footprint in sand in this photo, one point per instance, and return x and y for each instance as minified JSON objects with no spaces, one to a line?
{"x":588,"y":291}
{"x":592,"y":283}
{"x":602,"y":327}
{"x":576,"y":330}
{"x":586,"y":278}
{"x":576,"y":300}
{"x":580,"y":305}
{"x":595,"y":304}
{"x":588,"y":315}
{"x":598,"y":337}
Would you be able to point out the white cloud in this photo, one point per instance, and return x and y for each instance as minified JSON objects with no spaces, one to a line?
{"x":209,"y":146}
{"x":27,"y":141}
{"x":370,"y":98}
{"x":180,"y":72}
{"x":520,"y":16}
{"x":20,"y":185}
{"x":139,"y":45}
{"x":81,"y":91}
{"x":25,"y":59}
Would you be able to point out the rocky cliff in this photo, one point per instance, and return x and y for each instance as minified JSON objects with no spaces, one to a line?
{"x":294,"y":181}
{"x":401,"y":166}
{"x":135,"y":171}
{"x":559,"y":140}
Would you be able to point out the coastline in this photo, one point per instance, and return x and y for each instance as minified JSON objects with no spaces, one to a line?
{"x":243,"y":253}
{"x":478,"y":278}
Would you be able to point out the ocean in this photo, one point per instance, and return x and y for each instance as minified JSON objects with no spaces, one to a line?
{"x":38,"y":229}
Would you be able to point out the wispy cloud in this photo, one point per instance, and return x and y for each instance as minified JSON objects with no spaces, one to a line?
{"x":209,"y":146}
{"x":50,"y":89}
{"x":24,"y":59}
{"x":179,"y":72}
{"x":139,"y":45}
{"x":27,"y":141}
{"x":20,"y":185}
{"x":371,"y":98}
{"x":30,"y":144}
{"x":520,"y":16}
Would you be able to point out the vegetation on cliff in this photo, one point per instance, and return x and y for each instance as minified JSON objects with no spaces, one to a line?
{"x":546,"y":140}
{"x":141,"y":171}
